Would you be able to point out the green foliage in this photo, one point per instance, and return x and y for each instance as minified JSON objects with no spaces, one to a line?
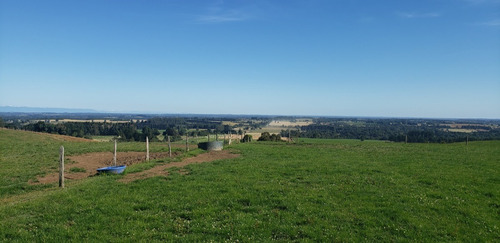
{"x":173,"y":133}
{"x":80,"y":129}
{"x":151,"y":134}
{"x":266,"y":136}
{"x":320,"y":190}
{"x":247,"y":138}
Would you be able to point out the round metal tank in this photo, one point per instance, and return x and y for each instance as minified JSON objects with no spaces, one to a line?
{"x":211,"y":146}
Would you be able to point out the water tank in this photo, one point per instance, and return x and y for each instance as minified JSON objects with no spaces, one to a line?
{"x":211,"y":146}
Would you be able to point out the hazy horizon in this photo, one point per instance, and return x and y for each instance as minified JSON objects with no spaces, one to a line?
{"x":422,"y":59}
{"x":59,"y":111}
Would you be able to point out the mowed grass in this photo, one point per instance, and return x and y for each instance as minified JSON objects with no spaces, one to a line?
{"x":318,"y":190}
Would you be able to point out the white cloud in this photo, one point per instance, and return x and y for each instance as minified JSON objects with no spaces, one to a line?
{"x":219,"y":12}
{"x":223,"y":16}
{"x":495,"y":22}
{"x":477,"y":2}
{"x":413,"y":15}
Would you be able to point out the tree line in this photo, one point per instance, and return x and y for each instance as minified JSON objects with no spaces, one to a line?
{"x":131,"y":131}
{"x":77,"y":129}
{"x":397,"y":130}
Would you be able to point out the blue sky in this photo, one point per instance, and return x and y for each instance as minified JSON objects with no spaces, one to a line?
{"x":397,"y":58}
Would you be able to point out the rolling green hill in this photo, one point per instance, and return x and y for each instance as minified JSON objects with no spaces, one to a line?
{"x":320,"y":190}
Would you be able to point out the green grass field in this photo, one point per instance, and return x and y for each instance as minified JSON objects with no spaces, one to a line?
{"x":317,"y":190}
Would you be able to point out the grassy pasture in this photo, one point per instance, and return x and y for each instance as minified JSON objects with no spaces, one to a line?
{"x":318,"y":190}
{"x":25,"y":155}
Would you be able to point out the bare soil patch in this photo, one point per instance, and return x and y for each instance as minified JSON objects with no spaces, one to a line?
{"x":160,"y":170}
{"x":92,"y":161}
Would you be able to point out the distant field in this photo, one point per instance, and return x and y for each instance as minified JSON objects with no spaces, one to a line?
{"x":230,"y":123}
{"x":103,"y":138}
{"x":316,"y":190}
{"x":457,"y":127}
{"x":461,"y":125}
{"x":290,"y":123}
{"x":461,"y":130}
{"x":276,"y":126}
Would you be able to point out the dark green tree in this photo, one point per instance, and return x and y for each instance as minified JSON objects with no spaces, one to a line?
{"x":173,"y":133}
{"x":265,"y":136}
{"x":247,"y":138}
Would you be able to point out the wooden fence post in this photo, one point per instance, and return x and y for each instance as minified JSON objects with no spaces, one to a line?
{"x":169,"y":147}
{"x":229,"y":142}
{"x":406,"y":139}
{"x":147,"y":149}
{"x":187,"y":146}
{"x":61,"y":167}
{"x":114,"y":155}
{"x":467,"y":141}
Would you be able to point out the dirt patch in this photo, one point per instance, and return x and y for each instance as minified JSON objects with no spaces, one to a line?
{"x":160,"y":170}
{"x":92,"y":161}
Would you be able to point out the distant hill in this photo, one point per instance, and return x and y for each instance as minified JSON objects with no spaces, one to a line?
{"x":43,"y":110}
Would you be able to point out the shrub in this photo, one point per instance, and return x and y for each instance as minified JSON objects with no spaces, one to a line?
{"x":265,"y":136}
{"x":247,"y":138}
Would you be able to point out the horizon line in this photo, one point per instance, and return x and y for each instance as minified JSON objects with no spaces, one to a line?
{"x":95,"y":112}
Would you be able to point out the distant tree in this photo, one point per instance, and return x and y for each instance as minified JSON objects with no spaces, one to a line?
{"x":203,"y":133}
{"x":129,"y":133}
{"x":152,"y":134}
{"x":173,"y":133}
{"x":219,"y":129}
{"x":247,"y":138}
{"x":182,"y":131}
{"x":275,"y":137}
{"x":2,"y":123}
{"x":266,"y":136}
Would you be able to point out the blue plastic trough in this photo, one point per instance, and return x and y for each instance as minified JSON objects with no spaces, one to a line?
{"x":112,"y":169}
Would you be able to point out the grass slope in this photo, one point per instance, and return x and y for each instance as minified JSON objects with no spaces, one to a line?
{"x":318,"y":190}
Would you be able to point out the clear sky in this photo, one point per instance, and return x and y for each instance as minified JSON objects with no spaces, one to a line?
{"x":389,"y":58}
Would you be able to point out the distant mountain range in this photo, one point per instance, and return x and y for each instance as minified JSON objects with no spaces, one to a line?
{"x":44,"y":110}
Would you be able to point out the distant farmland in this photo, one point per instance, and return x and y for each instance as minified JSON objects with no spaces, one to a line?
{"x":291,"y":123}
